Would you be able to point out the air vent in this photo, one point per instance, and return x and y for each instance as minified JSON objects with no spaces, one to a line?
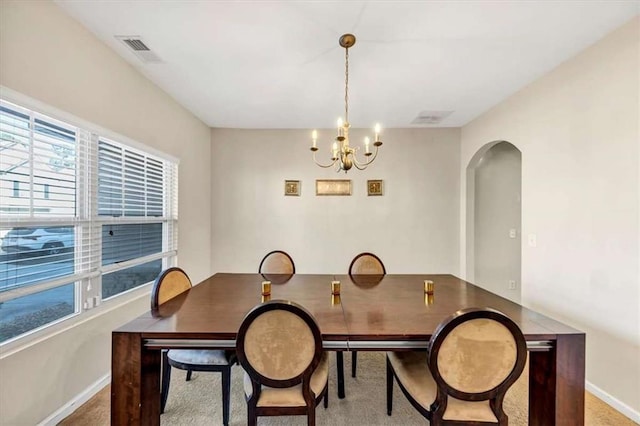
{"x":431,"y":117}
{"x":135,"y":44}
{"x":140,"y":49}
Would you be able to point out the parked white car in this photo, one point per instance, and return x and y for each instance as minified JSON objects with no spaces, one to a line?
{"x":50,"y":240}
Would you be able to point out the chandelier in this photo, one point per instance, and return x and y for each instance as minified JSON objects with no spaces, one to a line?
{"x":342,"y":155}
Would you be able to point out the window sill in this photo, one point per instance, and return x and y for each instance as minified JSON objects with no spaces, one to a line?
{"x":33,"y":338}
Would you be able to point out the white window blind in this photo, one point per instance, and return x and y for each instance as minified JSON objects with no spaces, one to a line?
{"x":37,"y":154}
{"x":130,"y":183}
{"x":82,"y":218}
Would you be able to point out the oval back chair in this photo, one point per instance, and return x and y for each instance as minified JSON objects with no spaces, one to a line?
{"x":169,"y":284}
{"x":277,"y":262}
{"x":279,"y":345}
{"x":363,"y":264}
{"x":367,"y":264}
{"x":474,"y":357}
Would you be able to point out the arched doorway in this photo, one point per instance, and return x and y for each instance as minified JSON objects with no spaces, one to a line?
{"x":494,"y":217}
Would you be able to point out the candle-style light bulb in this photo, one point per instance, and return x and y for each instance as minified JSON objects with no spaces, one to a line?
{"x":366,"y":145}
{"x":377,"y":131}
{"x":340,"y":127}
{"x":314,"y":136}
{"x":335,"y":150}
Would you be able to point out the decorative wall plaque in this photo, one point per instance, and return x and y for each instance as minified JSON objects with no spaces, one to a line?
{"x":374,"y":187}
{"x":291,"y":187}
{"x":333,"y":187}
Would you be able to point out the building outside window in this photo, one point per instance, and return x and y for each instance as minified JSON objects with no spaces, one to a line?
{"x":93,"y":218}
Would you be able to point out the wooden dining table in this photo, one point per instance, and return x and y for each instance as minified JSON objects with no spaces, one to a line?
{"x":381,"y":313}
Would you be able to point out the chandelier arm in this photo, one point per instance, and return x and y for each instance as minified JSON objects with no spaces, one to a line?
{"x":362,"y":166}
{"x":322,"y":165}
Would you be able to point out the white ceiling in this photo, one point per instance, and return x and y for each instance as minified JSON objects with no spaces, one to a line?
{"x":277,"y":64}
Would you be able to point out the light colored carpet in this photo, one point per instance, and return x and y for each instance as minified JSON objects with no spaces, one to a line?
{"x":198,"y":402}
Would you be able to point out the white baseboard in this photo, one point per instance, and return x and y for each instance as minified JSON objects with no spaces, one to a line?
{"x":615,"y":403}
{"x":71,"y":406}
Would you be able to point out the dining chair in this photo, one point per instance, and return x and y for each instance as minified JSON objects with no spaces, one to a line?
{"x":277,"y":262}
{"x":279,"y":346}
{"x":363,"y":264}
{"x":367,"y":264}
{"x":169,"y":284}
{"x":474,"y":357}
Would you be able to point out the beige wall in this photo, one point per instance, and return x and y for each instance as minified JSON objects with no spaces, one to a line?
{"x":48,"y":56}
{"x":577,"y":128}
{"x":412,"y":227}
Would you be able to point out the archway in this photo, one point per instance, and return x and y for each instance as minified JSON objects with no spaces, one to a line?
{"x":494,"y":218}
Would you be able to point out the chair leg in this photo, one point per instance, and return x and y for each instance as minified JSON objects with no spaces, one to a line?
{"x":189,"y":375}
{"x":389,"y":387}
{"x":226,"y":392}
{"x":326,"y":397}
{"x":340,"y":368}
{"x":354,"y":363}
{"x":252,"y":419}
{"x":166,"y":379}
{"x":311,"y":415}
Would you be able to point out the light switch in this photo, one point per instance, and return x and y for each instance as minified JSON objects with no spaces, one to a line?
{"x":533,"y":241}
{"x":512,"y":233}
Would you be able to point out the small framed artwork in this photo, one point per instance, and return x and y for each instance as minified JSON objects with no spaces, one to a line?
{"x":374,"y":187}
{"x":292,"y":187}
{"x":333,"y":187}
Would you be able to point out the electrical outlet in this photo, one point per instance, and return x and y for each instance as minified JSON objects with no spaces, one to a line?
{"x":512,"y":233}
{"x":533,"y":240}
{"x":512,"y":284}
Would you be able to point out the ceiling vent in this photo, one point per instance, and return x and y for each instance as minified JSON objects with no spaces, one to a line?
{"x":140,"y":49}
{"x":431,"y":117}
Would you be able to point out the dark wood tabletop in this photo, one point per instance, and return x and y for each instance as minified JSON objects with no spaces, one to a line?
{"x":370,"y":307}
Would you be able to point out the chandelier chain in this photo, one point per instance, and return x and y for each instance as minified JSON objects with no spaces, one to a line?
{"x":346,"y":85}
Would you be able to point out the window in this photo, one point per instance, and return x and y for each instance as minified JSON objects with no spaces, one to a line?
{"x":83,"y":218}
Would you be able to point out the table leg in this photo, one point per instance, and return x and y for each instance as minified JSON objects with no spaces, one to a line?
{"x":340,"y":368}
{"x":135,"y":381}
{"x":556,"y":383}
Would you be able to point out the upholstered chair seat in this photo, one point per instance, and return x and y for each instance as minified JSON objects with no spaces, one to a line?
{"x":419,"y":383}
{"x":474,"y":357}
{"x":198,"y":356}
{"x":411,"y":372}
{"x":290,"y":397}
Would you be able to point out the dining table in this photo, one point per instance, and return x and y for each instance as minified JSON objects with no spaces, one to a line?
{"x":389,"y":312}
